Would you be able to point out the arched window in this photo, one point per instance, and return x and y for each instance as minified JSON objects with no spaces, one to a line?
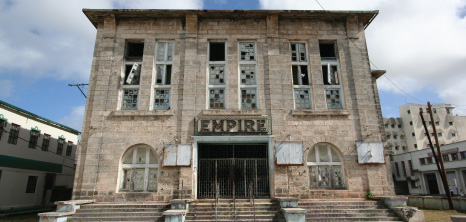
{"x":139,"y":169}
{"x":325,"y":168}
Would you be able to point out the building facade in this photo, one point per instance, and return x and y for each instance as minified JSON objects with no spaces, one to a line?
{"x":190,"y":103}
{"x":407,"y":134}
{"x":417,"y":172}
{"x":37,"y":159}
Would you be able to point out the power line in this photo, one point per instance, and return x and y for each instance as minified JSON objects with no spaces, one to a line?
{"x":336,"y":24}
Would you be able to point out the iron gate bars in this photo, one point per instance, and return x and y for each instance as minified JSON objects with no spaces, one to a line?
{"x":241,"y":171}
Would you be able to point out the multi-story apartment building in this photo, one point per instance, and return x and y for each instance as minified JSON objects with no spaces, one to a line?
{"x":407,"y":134}
{"x":182,"y":100}
{"x":37,"y":159}
{"x":416,"y":171}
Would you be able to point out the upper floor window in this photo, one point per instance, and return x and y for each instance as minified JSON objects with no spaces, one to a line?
{"x":217,"y":75}
{"x":132,"y":74}
{"x":31,"y":184}
{"x":45,"y":142}
{"x":301,"y":77}
{"x":163,"y":75}
{"x":69,"y":148}
{"x":60,"y":144}
{"x":331,"y":76}
{"x":325,"y":167}
{"x":14,"y":134}
{"x":247,"y":54}
{"x":33,"y":138}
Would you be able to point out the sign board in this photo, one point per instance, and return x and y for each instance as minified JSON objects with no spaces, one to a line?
{"x":370,"y":152}
{"x":177,"y":155}
{"x":232,"y":125}
{"x":289,"y":153}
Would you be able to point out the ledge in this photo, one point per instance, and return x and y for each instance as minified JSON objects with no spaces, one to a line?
{"x":328,"y":113}
{"x":141,"y":113}
{"x":233,"y":112}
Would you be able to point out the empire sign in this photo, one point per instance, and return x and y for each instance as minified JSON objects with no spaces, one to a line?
{"x":232,"y":125}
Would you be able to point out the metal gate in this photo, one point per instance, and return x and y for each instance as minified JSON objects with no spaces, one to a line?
{"x":233,"y":166}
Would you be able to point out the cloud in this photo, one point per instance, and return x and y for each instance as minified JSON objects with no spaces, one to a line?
{"x":56,"y":39}
{"x":74,"y":119}
{"x":419,"y":43}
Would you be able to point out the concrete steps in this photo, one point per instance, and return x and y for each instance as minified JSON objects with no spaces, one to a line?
{"x":263,"y":209}
{"x":136,"y":212}
{"x":346,"y":210}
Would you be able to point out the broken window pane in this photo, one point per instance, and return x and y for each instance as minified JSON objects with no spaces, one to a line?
{"x":337,"y":178}
{"x":302,"y":98}
{"x":314,"y":176}
{"x":330,"y":76}
{"x":134,"y":50}
{"x":327,"y":50}
{"x":126,"y":179}
{"x":163,"y":74}
{"x":162,"y":99}
{"x":248,"y":98}
{"x":248,"y":74}
{"x":217,"y":98}
{"x":324,"y":176}
{"x":300,"y":75}
{"x":132,"y":73}
{"x":247,"y":51}
{"x":298,"y":52}
{"x":130,"y":99}
{"x":216,"y":51}
{"x":333,"y":98}
{"x":217,"y":74}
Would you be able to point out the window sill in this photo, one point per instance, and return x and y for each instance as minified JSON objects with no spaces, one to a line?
{"x":124,"y":113}
{"x":328,"y":113}
{"x":231,"y":112}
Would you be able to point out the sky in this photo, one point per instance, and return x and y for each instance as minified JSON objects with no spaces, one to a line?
{"x":47,"y":44}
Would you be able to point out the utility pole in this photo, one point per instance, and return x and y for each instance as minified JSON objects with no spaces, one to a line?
{"x":440,"y":159}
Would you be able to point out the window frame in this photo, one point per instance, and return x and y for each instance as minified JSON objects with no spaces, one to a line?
{"x":225,"y":70}
{"x":31,"y":184}
{"x":318,"y":163}
{"x":129,"y":62}
{"x":163,"y":86}
{"x":34,"y":136}
{"x":329,"y":62}
{"x":134,"y":165}
{"x":14,"y":134}
{"x":69,"y":148}
{"x":245,"y":86}
{"x":45,"y":142}
{"x":60,"y":144}
{"x":300,"y":85}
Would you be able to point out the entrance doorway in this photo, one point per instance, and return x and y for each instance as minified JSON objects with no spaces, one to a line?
{"x":432,"y":183}
{"x":236,"y":168}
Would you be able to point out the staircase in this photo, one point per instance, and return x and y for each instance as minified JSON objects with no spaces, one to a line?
{"x":135,"y":212}
{"x":346,"y":210}
{"x":265,"y":210}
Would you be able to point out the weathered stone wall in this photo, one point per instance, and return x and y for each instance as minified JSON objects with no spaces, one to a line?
{"x":108,"y":132}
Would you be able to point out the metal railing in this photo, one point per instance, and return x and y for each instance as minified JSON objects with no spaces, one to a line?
{"x":251,"y":199}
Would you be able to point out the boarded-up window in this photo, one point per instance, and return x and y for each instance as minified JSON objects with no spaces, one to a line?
{"x":370,"y":152}
{"x":289,"y":153}
{"x":177,"y":155}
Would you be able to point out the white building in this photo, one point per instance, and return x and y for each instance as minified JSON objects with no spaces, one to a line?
{"x":416,"y":172}
{"x":37,"y":159}
{"x":407,"y":134}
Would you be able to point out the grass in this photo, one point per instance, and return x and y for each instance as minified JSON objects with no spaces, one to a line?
{"x":21,"y":218}
{"x":440,"y":215}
